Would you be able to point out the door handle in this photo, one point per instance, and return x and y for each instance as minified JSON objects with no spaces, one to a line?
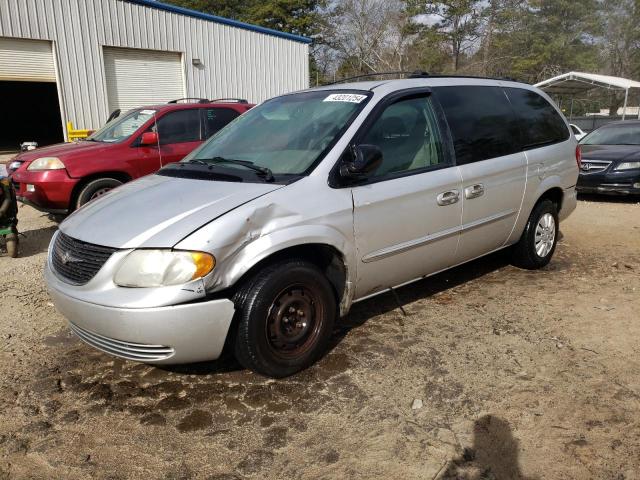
{"x":474,"y":191}
{"x":448,"y":198}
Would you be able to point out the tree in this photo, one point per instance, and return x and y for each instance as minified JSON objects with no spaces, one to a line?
{"x":457,"y":22}
{"x":537,"y":39}
{"x":300,"y":17}
{"x":620,"y":41}
{"x":369,"y":36}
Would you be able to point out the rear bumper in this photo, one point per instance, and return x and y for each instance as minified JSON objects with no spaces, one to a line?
{"x":51,"y":189}
{"x":185,"y":333}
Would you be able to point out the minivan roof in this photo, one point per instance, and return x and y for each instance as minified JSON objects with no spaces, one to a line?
{"x":386,"y":86}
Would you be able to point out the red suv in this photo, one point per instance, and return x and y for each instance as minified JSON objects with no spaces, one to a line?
{"x":60,"y":178}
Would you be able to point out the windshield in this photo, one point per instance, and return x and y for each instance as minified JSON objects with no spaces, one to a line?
{"x":285,"y":135}
{"x":614,"y":135}
{"x":121,"y":128}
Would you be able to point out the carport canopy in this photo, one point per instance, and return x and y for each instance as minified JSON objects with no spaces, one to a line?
{"x":573,"y":83}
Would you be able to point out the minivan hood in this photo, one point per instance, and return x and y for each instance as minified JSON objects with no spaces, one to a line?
{"x":157,"y":211}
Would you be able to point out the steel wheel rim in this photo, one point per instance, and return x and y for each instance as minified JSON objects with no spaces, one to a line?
{"x":545,"y":235}
{"x":100,"y":192}
{"x":294,"y":321}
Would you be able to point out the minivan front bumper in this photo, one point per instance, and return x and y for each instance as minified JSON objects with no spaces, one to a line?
{"x":184,"y":333}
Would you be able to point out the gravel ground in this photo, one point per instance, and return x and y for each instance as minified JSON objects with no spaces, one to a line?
{"x":511,"y":374}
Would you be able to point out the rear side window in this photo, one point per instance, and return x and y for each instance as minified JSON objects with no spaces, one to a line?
{"x":216,"y":118}
{"x":482,"y":122}
{"x":540,"y":123}
{"x":179,"y":127}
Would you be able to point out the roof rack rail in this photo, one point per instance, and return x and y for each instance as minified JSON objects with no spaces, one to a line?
{"x":236,"y":100}
{"x":199,"y":100}
{"x":415,"y":74}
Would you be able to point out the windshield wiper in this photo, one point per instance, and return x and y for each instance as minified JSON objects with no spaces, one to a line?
{"x":198,"y":161}
{"x":262,"y":171}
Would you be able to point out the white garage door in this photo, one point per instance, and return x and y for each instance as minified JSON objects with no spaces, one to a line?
{"x":141,"y":77}
{"x":26,"y":60}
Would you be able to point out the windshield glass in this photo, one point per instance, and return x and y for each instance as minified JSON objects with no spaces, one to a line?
{"x":286,"y":135}
{"x":614,"y":135}
{"x":121,"y":128}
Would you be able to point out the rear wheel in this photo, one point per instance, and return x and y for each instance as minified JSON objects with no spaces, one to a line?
{"x":285,"y":315}
{"x":95,"y":189}
{"x":539,"y":239}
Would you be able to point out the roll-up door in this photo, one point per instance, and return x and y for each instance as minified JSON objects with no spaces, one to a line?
{"x":138,"y":77}
{"x":24,"y":60}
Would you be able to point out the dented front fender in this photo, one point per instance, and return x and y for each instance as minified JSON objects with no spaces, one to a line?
{"x":285,"y":218}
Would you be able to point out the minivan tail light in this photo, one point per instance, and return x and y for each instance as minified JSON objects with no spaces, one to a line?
{"x":578,"y":156}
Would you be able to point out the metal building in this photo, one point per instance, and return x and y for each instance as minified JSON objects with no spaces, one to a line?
{"x":78,"y":60}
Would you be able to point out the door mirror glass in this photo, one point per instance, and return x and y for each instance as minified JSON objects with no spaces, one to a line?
{"x":364,"y":160}
{"x":149,"y":139}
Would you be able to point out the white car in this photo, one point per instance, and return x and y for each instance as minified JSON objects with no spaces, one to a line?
{"x":577,"y":131}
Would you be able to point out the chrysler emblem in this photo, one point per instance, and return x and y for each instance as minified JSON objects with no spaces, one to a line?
{"x":66,"y":257}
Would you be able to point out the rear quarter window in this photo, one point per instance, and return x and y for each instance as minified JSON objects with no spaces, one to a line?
{"x":216,"y":118}
{"x":482,"y":123}
{"x":540,"y":123}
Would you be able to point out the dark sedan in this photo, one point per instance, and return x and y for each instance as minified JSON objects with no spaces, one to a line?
{"x":611,"y":159}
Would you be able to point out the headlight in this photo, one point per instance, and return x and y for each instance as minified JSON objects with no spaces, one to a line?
{"x":628,"y":166}
{"x":161,"y":268}
{"x":46,"y":163}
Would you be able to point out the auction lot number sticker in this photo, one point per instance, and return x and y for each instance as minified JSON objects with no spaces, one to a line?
{"x":345,"y":97}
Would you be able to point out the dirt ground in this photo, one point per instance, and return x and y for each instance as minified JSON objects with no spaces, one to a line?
{"x":521,"y":375}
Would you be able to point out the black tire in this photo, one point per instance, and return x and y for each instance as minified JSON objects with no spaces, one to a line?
{"x":525,"y":252}
{"x":267,"y":329}
{"x":12,"y":245}
{"x":96,"y":188}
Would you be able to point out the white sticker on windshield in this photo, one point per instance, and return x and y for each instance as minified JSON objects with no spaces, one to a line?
{"x":147,"y":112}
{"x":345,"y":97}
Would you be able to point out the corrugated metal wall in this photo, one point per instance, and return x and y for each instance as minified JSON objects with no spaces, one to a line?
{"x":236,"y":62}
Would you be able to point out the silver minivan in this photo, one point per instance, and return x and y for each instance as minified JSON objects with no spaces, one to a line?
{"x":266,"y":234}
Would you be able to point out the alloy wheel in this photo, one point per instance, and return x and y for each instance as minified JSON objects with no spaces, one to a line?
{"x":545,"y":235}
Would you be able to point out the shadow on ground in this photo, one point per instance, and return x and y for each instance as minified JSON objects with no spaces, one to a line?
{"x":33,"y":242}
{"x":493,"y":455}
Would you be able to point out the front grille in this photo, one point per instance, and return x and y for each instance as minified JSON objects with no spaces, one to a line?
{"x":593,"y":166}
{"x":76,"y":261}
{"x":131,"y":351}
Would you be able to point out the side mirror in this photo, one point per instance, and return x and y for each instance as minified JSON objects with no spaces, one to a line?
{"x":365,"y":159}
{"x":149,"y":139}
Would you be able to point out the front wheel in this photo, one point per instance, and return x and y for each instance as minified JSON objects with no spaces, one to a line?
{"x":539,"y":239}
{"x":95,"y":189}
{"x":285,"y":315}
